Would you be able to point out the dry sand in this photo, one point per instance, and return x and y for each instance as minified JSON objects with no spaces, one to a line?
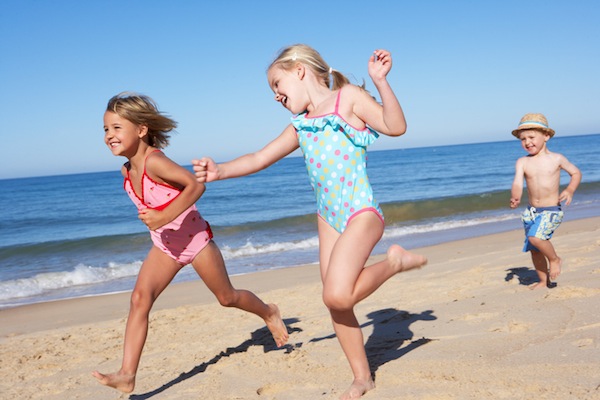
{"x":464,"y":327}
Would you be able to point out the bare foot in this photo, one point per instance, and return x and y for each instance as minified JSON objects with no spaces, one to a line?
{"x":537,"y":285}
{"x":357,"y":389}
{"x":403,"y":260}
{"x":276,"y":326}
{"x":555,"y":268}
{"x":118,"y":380}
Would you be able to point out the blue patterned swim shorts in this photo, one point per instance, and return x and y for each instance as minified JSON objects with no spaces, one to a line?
{"x":541,"y":223}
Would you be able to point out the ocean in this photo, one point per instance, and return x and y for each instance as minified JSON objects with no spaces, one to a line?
{"x":78,"y":235}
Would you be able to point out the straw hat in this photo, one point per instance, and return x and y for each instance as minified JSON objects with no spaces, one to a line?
{"x":533,"y":121}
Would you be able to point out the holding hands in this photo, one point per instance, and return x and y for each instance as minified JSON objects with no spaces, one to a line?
{"x":206,"y":170}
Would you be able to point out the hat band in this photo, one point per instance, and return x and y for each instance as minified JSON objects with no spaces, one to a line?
{"x":533,"y":123}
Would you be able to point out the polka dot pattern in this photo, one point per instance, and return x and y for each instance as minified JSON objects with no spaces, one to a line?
{"x":335,"y":154}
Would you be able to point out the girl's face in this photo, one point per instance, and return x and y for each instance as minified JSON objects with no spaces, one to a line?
{"x":287,"y":86}
{"x":533,"y":141}
{"x":121,"y":135}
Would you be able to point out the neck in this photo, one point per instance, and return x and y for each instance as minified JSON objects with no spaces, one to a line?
{"x":317,"y":92}
{"x":138,"y":159}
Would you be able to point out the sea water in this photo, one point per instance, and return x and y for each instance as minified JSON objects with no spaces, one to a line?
{"x":78,"y":235}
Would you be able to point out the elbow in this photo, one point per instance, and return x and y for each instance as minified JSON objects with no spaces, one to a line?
{"x":397,"y":133}
{"x":399,"y":130}
{"x":201,"y":189}
{"x":395,"y":130}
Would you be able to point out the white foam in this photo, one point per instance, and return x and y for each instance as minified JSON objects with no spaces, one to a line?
{"x":80,"y":275}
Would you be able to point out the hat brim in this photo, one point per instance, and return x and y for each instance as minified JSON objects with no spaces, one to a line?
{"x":549,"y":131}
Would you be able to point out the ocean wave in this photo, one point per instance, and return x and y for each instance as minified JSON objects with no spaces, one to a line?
{"x":249,"y":249}
{"x":445,"y":225}
{"x":81,"y":275}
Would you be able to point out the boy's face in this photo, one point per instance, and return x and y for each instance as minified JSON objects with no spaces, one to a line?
{"x":533,"y":141}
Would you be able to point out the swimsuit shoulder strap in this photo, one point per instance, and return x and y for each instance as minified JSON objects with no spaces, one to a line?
{"x":146,"y":159}
{"x":337,"y":101}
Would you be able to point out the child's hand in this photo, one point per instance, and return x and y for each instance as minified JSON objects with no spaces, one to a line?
{"x":380,"y":64}
{"x":566,"y":197}
{"x":206,"y":170}
{"x":514,"y":202}
{"x":152,"y":218}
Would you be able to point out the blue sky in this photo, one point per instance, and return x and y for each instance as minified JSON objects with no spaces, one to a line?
{"x":464,"y":71}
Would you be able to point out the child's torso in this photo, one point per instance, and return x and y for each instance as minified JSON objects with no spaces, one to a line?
{"x":336,"y":160}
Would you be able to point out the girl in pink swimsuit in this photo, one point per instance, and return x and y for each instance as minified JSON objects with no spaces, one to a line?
{"x":165,"y":194}
{"x":333,"y":124}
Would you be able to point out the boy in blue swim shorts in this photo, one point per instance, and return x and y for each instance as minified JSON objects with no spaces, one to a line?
{"x":540,"y":170}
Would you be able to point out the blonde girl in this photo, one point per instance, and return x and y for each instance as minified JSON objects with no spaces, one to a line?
{"x":333,"y":122}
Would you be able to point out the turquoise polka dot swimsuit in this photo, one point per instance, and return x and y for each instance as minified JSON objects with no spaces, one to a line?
{"x":335,"y":154}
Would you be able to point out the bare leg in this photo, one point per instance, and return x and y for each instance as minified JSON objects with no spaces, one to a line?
{"x":346,"y":281}
{"x":541,"y":267}
{"x":351,"y":339}
{"x":352,"y":248}
{"x":546,"y":248}
{"x":156,"y":273}
{"x":210,"y":267}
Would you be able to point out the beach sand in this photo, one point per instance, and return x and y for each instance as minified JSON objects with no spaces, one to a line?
{"x":464,"y":327}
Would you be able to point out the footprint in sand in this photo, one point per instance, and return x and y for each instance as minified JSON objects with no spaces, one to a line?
{"x":571,"y":292}
{"x":583,"y":343}
{"x":477,"y":317}
{"x":271,"y":389}
{"x":511,"y":327}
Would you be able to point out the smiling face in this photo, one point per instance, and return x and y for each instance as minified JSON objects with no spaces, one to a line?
{"x":533,"y":141}
{"x":287,"y":86}
{"x":121,"y":135}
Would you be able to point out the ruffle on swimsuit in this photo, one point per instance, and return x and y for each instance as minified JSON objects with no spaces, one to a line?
{"x":362,"y":138}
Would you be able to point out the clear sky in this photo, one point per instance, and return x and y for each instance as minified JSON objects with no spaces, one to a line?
{"x":464,"y":71}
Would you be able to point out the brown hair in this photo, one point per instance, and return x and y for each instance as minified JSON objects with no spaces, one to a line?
{"x":142,"y":110}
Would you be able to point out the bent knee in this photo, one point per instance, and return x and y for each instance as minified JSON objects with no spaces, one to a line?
{"x":338,"y":301}
{"x":228,"y":299}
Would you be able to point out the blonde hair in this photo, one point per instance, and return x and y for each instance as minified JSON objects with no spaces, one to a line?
{"x":142,"y":110}
{"x":301,"y":53}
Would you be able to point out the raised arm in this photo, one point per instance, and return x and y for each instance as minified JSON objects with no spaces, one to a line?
{"x":517,"y":186}
{"x":207,"y":170}
{"x":387,"y":117}
{"x":567,"y":194}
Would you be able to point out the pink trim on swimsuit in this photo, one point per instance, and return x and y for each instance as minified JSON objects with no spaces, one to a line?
{"x":181,"y":239}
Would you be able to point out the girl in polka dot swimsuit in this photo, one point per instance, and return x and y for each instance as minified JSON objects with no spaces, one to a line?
{"x":336,"y":160}
{"x":333,"y":122}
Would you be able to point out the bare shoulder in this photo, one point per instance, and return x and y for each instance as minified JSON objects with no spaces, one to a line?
{"x":125,"y":168}
{"x":156,"y":159}
{"x":353,"y":93}
{"x":356,"y":102}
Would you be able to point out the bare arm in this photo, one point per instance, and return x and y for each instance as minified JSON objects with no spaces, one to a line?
{"x":160,"y":168}
{"x":517,"y":186}
{"x":567,"y":194}
{"x":207,"y":170}
{"x":387,"y":118}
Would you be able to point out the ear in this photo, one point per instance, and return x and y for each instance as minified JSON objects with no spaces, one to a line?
{"x":300,"y":70}
{"x":142,"y":130}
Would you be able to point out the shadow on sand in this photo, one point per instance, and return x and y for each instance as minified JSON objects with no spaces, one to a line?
{"x":260,"y":337}
{"x":526,"y":276}
{"x":391,"y":329}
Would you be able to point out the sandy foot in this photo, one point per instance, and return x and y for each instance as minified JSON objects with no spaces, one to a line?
{"x":276,"y":326}
{"x":357,"y":389}
{"x":403,"y":260}
{"x":122,"y":382}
